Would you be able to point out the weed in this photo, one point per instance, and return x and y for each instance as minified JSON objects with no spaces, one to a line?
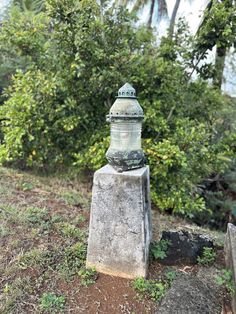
{"x":69,"y":230}
{"x":159,"y":249}
{"x":33,"y":233}
{"x":170,"y":275}
{"x":56,"y":218}
{"x":32,"y":258}
{"x":71,"y":198}
{"x":52,"y":303}
{"x":154,"y":289}
{"x":4,"y":230}
{"x":11,"y":214}
{"x":14,"y":293}
{"x":225,"y":279}
{"x":38,"y":217}
{"x":88,"y":276}
{"x":73,"y":259}
{"x":26,"y":186}
{"x":79,"y":219}
{"x":74,"y":198}
{"x":208,"y":256}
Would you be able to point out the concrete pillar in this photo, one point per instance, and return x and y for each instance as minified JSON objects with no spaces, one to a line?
{"x":230,"y":257}
{"x":120,"y":222}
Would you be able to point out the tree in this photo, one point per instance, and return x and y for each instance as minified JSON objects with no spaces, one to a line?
{"x":217,"y":29}
{"x":33,"y":6}
{"x":55,"y":107}
{"x":161,"y":9}
{"x":173,"y":18}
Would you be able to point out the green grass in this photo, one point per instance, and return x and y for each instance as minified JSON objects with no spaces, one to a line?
{"x":44,"y":242}
{"x":75,"y":198}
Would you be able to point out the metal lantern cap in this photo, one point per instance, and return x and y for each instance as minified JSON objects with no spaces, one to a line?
{"x":127,"y":91}
{"x":126,"y":106}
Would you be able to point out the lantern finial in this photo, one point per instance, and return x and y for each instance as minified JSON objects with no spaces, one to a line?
{"x":127,"y":91}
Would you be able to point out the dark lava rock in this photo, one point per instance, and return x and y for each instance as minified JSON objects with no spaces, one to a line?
{"x":190,"y":295}
{"x":184,"y":246}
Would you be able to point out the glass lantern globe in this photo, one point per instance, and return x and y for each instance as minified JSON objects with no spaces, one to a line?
{"x":126,"y":115}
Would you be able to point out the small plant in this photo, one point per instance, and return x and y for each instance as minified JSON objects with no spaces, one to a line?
{"x":4,"y":230}
{"x":208,"y":256}
{"x":69,"y":230}
{"x":170,"y":275}
{"x":26,"y":186}
{"x":31,"y":258}
{"x":79,"y":219}
{"x":52,"y":303}
{"x":88,"y":276}
{"x":72,"y":198}
{"x":154,"y":289}
{"x":38,"y":217}
{"x":13,"y":293}
{"x":225,"y":279}
{"x":159,"y":249}
{"x":73,"y":259}
{"x":75,"y":198}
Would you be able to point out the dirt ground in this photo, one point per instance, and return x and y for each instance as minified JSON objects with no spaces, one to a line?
{"x":43,"y":233}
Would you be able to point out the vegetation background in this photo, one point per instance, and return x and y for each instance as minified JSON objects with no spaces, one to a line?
{"x":61,"y":64}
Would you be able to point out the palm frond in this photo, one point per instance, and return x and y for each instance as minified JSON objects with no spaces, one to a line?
{"x":139,"y":4}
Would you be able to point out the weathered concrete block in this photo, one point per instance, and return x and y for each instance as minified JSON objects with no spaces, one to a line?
{"x":120,"y":222}
{"x":230,"y":257}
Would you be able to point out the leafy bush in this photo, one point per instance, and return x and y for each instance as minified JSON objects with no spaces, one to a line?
{"x":154,"y":289}
{"x":52,"y":303}
{"x":208,"y":256}
{"x":159,"y":249}
{"x":225,"y":279}
{"x":88,"y":276}
{"x":23,"y":43}
{"x":55,"y":107}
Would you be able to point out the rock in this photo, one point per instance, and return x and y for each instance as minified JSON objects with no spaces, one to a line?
{"x":120,"y":222}
{"x":230,"y":257}
{"x":184,"y":246}
{"x":190,"y":295}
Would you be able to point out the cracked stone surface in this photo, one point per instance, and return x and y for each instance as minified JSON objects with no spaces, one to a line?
{"x":120,"y":222}
{"x":191,"y":295}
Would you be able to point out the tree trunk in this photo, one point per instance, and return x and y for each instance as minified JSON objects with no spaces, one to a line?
{"x":173,"y":18}
{"x":151,"y":13}
{"x":219,"y":66}
{"x":162,"y":10}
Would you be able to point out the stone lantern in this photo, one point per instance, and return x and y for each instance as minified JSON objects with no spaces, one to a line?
{"x":120,"y":229}
{"x":126,"y":115}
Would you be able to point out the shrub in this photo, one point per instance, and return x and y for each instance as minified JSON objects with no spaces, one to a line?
{"x":159,"y":249}
{"x":154,"y":289}
{"x":208,"y":256}
{"x":52,"y":303}
{"x":55,"y":107}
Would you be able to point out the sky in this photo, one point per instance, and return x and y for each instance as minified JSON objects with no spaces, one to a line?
{"x":3,"y":3}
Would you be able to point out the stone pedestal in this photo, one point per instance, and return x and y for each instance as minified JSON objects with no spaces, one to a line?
{"x":230,"y":257}
{"x":120,"y":222}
